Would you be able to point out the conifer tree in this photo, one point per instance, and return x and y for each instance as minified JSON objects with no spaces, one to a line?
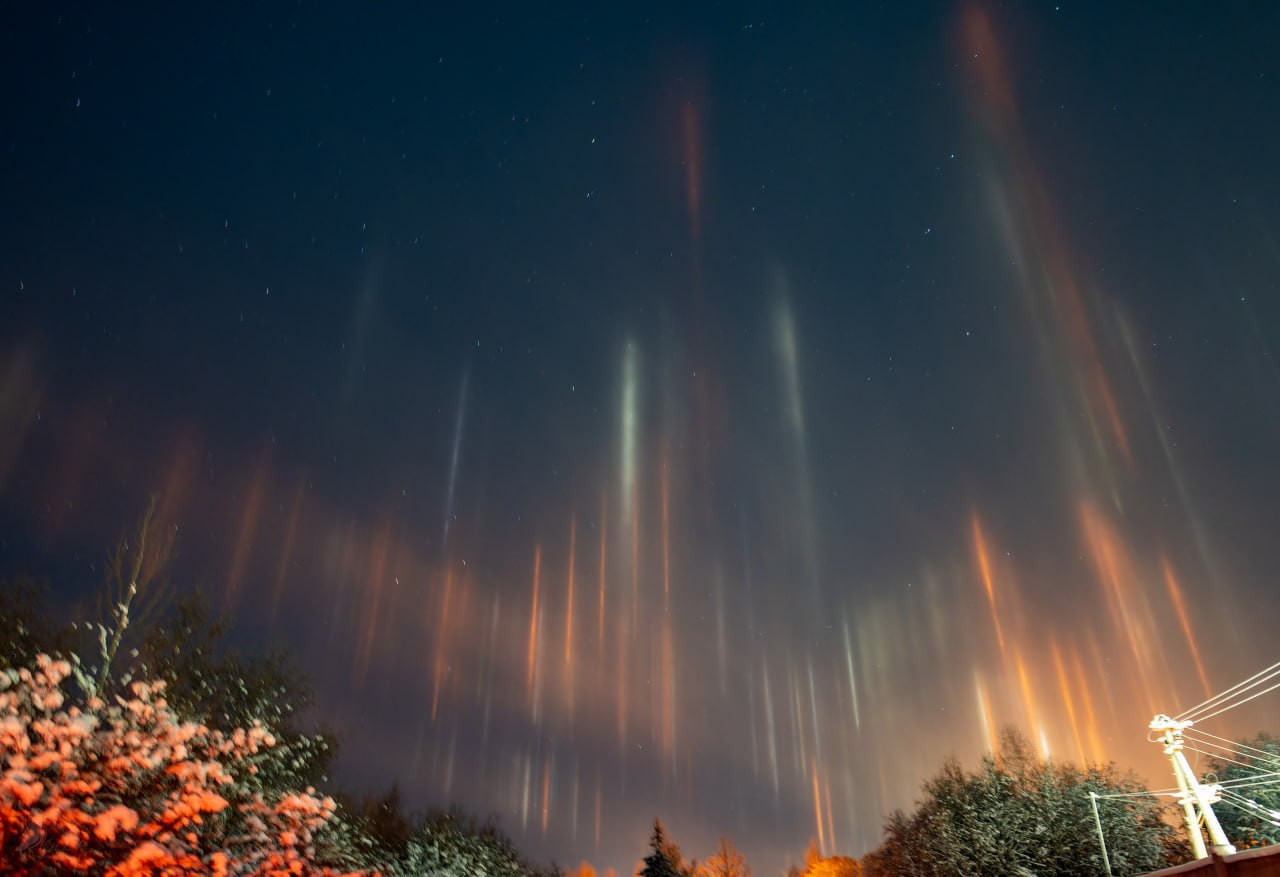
{"x":665,"y":859}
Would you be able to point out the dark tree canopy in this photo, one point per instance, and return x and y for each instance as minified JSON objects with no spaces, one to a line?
{"x":664,"y":859}
{"x":27,"y":627}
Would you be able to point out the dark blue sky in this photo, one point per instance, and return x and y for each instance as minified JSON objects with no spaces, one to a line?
{"x":792,"y":313}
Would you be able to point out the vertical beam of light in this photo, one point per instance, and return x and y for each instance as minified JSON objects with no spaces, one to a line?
{"x":1103,"y":672}
{"x":787,"y":351}
{"x":361,"y":323}
{"x":1065,"y":306}
{"x":1029,"y":702}
{"x":654,"y":683}
{"x":375,"y":584}
{"x":453,"y":460}
{"x":984,"y":713}
{"x":884,"y":788}
{"x":604,"y":530}
{"x":629,"y":503}
{"x":1096,"y":750}
{"x":484,"y":669}
{"x":664,"y":492}
{"x":524,"y":797}
{"x":489,"y":658}
{"x":668,"y":694}
{"x":635,"y":569}
{"x":533,"y":619}
{"x":813,"y":708}
{"x":984,"y":568}
{"x":599,"y":801}
{"x":547,"y":765}
{"x":286,"y":547}
{"x":800,"y":746}
{"x":176,"y":480}
{"x":692,"y":129}
{"x":751,"y":711}
{"x":793,"y":406}
{"x":722,"y":635}
{"x":853,"y":684}
{"x":773,"y":734}
{"x":826,"y":796}
{"x":1111,"y":561}
{"x":449,"y":762}
{"x":1189,"y":508}
{"x":628,"y":429}
{"x":343,"y":577}
{"x":252,"y":511}
{"x":1175,"y":595}
{"x":746,"y":575}
{"x":568,"y":612}
{"x":817,"y":809}
{"x":573,"y":808}
{"x":442,"y":629}
{"x":1064,"y":688}
{"x":850,"y":809}
{"x":621,"y":688}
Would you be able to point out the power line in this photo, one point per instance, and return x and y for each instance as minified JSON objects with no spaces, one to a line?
{"x":1237,"y":744}
{"x":1232,"y":706}
{"x":1252,"y":783}
{"x":1251,"y":682}
{"x":1217,"y":756}
{"x":1159,"y":793}
{"x":1255,"y":764}
{"x":1252,"y":807}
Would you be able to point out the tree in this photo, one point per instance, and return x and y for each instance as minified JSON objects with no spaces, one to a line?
{"x":815,"y":865}
{"x":140,"y":633}
{"x":27,"y":628}
{"x":209,"y":681}
{"x":129,"y":788}
{"x":1020,"y":814}
{"x":135,"y":573}
{"x":453,"y":844}
{"x":166,"y":751}
{"x":1249,"y":813}
{"x":726,"y":861}
{"x":665,"y":859}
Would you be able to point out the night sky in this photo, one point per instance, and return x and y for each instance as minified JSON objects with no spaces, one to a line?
{"x":718,"y":413}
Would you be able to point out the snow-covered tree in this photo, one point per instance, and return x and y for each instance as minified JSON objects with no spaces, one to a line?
{"x":1250,"y":810}
{"x":452,"y":844}
{"x":1020,"y":814}
{"x":129,"y":788}
{"x":139,"y":743}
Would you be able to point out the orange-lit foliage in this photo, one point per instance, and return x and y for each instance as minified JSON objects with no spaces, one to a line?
{"x":129,"y":789}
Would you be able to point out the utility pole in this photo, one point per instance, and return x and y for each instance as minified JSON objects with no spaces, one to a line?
{"x":1102,"y":841}
{"x":1196,"y":800}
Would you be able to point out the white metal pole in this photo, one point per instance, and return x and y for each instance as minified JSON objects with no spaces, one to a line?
{"x":1217,"y":836}
{"x":1102,"y":841}
{"x":1188,"y":809}
{"x":1193,"y":794}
